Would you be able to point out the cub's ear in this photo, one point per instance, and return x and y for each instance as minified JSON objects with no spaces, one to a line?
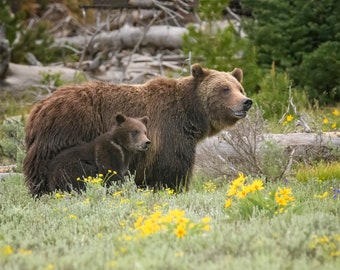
{"x":238,"y":74}
{"x":197,"y":71}
{"x":145,"y":120}
{"x":120,"y":118}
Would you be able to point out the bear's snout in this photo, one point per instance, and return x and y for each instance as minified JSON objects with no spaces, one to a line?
{"x":247,"y":103}
{"x":146,"y":145}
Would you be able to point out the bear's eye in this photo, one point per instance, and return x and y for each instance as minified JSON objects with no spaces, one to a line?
{"x":226,"y":89}
{"x":135,"y":133}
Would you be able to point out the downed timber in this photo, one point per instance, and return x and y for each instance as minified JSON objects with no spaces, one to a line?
{"x":140,"y":69}
{"x":217,"y":152}
{"x":303,"y":143}
{"x":137,"y":4}
{"x":160,"y":36}
{"x":22,"y":77}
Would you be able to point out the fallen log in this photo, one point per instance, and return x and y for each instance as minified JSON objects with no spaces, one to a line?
{"x":216,"y":157}
{"x":22,"y":77}
{"x":138,"y":70}
{"x":159,"y":36}
{"x":178,"y":12}
{"x":136,"y":4}
{"x":4,"y":53}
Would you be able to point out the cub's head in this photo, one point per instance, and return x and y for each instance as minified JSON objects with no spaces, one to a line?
{"x":222,"y":96}
{"x":132,"y":133}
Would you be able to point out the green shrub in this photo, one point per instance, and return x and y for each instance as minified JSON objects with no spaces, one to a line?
{"x":226,"y":50}
{"x":319,"y":72}
{"x":12,"y":147}
{"x":222,"y":48}
{"x":302,"y":38}
{"x":273,"y":96}
{"x":246,"y":200}
{"x":211,"y":10}
{"x":320,"y":171}
{"x":34,"y":39}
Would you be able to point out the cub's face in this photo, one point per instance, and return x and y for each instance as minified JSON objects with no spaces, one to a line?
{"x":138,"y":137}
{"x":132,"y":133}
{"x":223,"y":98}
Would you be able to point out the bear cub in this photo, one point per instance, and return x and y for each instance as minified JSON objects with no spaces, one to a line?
{"x":113,"y":150}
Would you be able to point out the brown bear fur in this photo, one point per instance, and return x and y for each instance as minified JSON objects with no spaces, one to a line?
{"x":111,"y":151}
{"x":182,"y":112}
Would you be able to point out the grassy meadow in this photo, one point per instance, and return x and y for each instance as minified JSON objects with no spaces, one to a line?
{"x":241,"y":224}
{"x":238,"y":222}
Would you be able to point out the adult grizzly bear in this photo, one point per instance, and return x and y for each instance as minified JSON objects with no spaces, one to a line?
{"x":182,"y":112}
{"x":112,"y":150}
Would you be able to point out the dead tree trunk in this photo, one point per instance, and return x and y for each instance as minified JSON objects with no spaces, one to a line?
{"x":160,"y":36}
{"x":221,"y":155}
{"x":4,"y":54}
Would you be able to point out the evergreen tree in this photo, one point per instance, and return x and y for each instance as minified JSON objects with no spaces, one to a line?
{"x":302,"y":37}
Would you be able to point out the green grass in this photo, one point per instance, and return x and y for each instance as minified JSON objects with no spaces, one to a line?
{"x":96,"y":230}
{"x":320,"y":171}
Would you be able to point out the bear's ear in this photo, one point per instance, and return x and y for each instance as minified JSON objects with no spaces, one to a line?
{"x":120,"y":118}
{"x":238,"y":74}
{"x":197,"y":71}
{"x":145,"y":120}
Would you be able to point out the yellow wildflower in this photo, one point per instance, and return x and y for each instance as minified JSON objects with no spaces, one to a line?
{"x":257,"y":184}
{"x":7,"y":250}
{"x":192,"y":225}
{"x":139,"y":203}
{"x":59,"y":195}
{"x":123,"y":201}
{"x":243,"y":192}
{"x":325,"y":121}
{"x":206,"y":227}
{"x":227,"y":203}
{"x":170,"y":191}
{"x":335,"y":112}
{"x":180,"y":231}
{"x":324,"y":195}
{"x":289,"y":118}
{"x":50,"y":266}
{"x":24,"y":251}
{"x":176,"y":213}
{"x":206,"y":219}
{"x":86,"y":201}
{"x":323,"y":239}
{"x":335,"y":253}
{"x":209,"y":186}
{"x":240,"y":179}
{"x":127,"y":237}
{"x":232,"y":191}
{"x":334,"y":125}
{"x":139,"y":222}
{"x":117,"y":193}
{"x":285,"y":193}
{"x":281,"y":201}
{"x":179,"y":254}
{"x":112,"y":263}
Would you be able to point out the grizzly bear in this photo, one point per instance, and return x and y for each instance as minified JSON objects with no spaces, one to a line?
{"x":112,"y":150}
{"x":182,"y":112}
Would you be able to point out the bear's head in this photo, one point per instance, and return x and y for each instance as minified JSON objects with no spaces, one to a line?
{"x":131,"y":132}
{"x":222,"y":96}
